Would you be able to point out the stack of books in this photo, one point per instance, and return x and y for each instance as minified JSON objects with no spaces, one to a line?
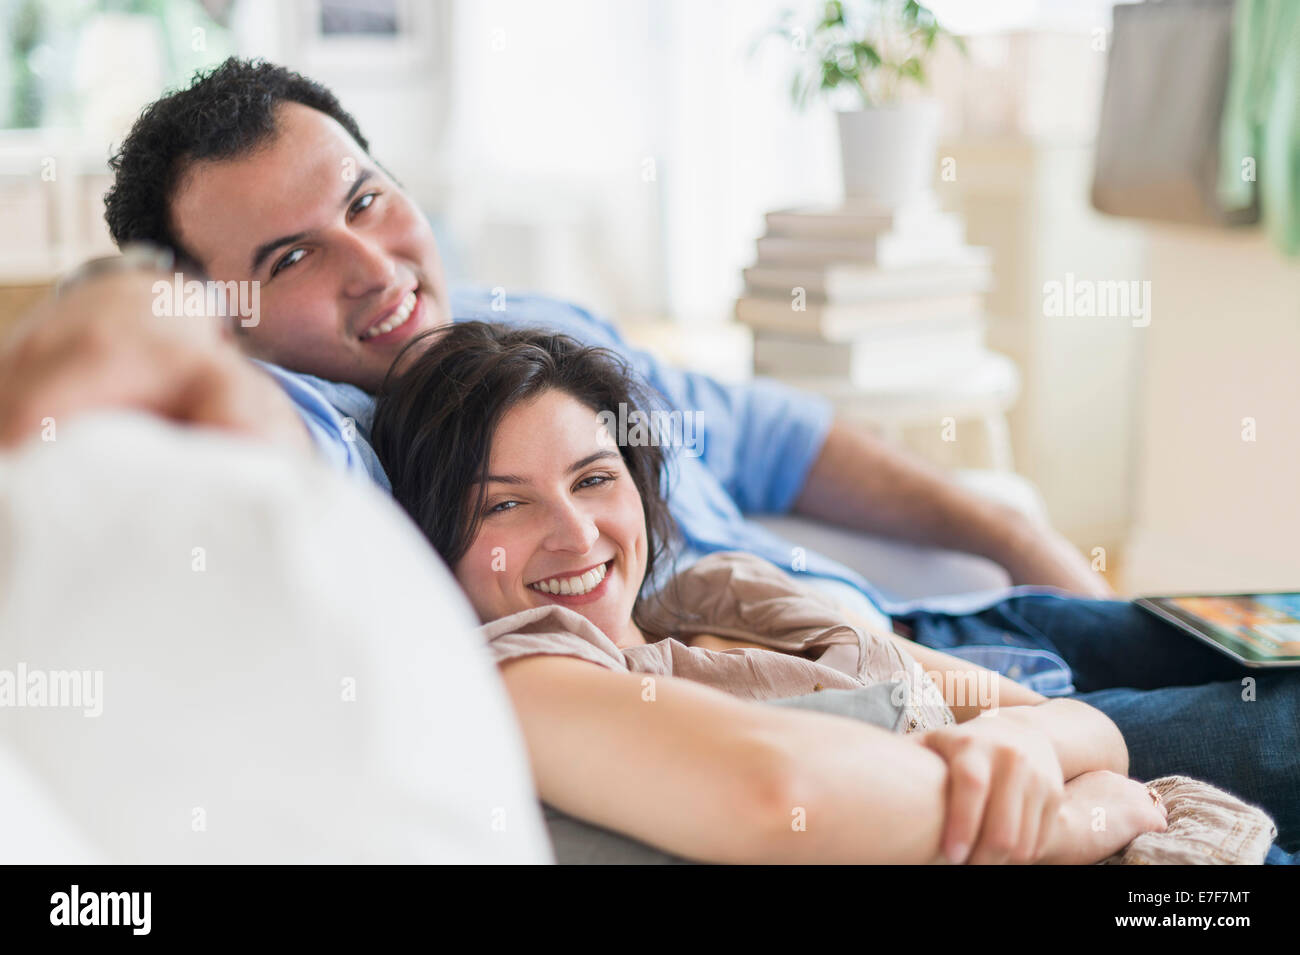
{"x":853,"y":298}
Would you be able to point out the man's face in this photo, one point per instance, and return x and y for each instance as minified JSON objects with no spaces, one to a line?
{"x":340,"y":251}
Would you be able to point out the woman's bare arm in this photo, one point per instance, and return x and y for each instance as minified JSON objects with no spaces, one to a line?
{"x":1083,"y":737}
{"x":710,"y":777}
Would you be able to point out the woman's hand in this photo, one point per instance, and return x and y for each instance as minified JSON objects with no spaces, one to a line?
{"x":1005,"y":788}
{"x":1101,"y":814}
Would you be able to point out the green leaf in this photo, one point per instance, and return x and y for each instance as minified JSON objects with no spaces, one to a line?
{"x":832,"y":75}
{"x":866,"y":53}
{"x":840,"y":49}
{"x":833,"y":15}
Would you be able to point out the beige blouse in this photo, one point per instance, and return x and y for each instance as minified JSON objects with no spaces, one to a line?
{"x":740,"y":597}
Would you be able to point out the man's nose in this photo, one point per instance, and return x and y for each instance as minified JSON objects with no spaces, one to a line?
{"x":571,"y":529}
{"x":367,"y":266}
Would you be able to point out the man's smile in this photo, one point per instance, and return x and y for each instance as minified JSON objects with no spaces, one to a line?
{"x":395,"y":322}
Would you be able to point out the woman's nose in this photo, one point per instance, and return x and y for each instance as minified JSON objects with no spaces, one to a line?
{"x":571,"y":530}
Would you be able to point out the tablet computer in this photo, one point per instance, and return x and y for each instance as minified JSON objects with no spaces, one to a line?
{"x":1259,"y":630}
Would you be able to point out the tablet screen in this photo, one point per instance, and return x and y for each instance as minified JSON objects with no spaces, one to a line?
{"x":1260,"y":627}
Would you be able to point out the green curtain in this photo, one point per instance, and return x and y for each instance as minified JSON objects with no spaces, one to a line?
{"x":1261,"y":117}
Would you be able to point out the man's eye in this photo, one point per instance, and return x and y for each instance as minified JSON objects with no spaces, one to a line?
{"x":364,"y":202}
{"x":289,"y":258}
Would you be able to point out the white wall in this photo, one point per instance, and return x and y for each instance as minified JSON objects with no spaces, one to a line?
{"x":644,"y":122}
{"x":1213,"y":510}
{"x":1072,"y":430}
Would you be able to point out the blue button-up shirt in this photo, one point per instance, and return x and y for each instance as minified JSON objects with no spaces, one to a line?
{"x":756,"y":444}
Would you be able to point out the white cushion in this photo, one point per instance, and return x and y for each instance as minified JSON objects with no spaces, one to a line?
{"x":230,"y":595}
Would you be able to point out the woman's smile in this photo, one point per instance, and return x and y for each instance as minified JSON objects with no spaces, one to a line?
{"x":574,"y":589}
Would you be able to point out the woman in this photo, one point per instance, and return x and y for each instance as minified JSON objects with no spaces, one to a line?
{"x":495,"y":444}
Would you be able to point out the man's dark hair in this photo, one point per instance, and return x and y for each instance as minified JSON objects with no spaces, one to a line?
{"x":435,"y":421}
{"x":227,"y":112}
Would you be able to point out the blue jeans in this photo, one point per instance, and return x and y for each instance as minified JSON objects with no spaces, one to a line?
{"x":1182,"y":707}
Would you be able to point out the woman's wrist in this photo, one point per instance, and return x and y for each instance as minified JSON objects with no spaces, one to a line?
{"x":1083,"y":737}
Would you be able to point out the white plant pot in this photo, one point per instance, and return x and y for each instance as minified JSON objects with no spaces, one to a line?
{"x":889,"y":152}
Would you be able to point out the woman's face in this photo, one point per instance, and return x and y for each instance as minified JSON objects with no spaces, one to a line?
{"x":562,"y":522}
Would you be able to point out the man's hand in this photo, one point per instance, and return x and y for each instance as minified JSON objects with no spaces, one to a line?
{"x":100,"y":345}
{"x":1005,"y":788}
{"x":1037,"y":554}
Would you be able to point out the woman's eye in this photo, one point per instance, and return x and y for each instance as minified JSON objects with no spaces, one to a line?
{"x":502,"y":507}
{"x":289,"y":258}
{"x":595,"y":480}
{"x":364,"y":202}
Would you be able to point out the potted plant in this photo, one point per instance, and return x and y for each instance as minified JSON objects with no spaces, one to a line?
{"x":868,"y":59}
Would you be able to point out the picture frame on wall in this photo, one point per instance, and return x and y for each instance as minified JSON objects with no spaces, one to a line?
{"x":377,"y":38}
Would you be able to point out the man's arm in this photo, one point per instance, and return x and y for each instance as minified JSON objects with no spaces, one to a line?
{"x":861,"y":481}
{"x":100,"y":346}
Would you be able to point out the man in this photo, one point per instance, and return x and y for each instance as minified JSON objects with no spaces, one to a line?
{"x":257,"y":174}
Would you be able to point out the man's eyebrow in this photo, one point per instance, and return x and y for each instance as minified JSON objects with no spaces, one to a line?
{"x":575,"y":466}
{"x":266,"y":248}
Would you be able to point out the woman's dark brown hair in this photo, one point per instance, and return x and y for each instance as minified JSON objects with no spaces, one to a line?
{"x":435,"y":420}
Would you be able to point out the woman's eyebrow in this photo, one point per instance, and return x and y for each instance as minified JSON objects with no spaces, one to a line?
{"x":593,"y":458}
{"x":266,"y":248}
{"x":575,"y":466}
